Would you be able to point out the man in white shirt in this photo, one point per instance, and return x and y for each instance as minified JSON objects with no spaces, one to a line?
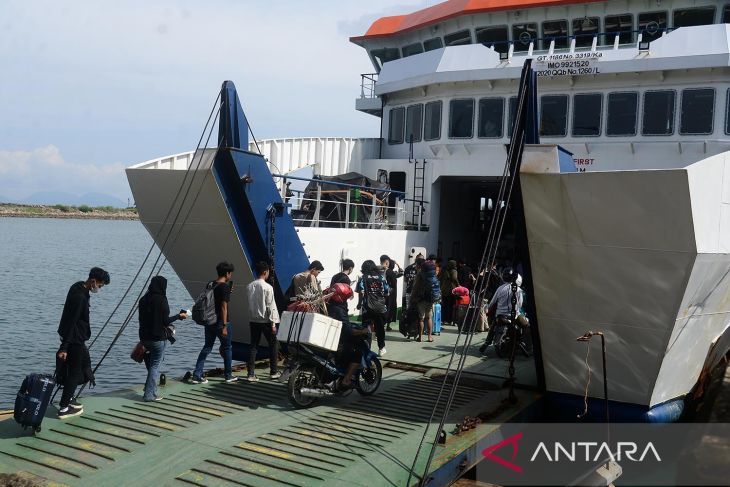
{"x":263,"y":318}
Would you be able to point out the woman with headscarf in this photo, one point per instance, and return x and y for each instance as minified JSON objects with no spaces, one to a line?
{"x":154,"y":329}
{"x":449,"y":279}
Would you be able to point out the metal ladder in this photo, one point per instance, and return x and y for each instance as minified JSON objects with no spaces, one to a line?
{"x":419,"y":183}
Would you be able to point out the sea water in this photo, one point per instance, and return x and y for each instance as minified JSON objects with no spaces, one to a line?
{"x":40,"y":259}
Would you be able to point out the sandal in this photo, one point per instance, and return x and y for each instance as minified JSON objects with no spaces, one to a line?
{"x":430,"y":340}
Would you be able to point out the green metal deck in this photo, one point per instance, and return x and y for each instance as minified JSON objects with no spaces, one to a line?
{"x":247,"y":434}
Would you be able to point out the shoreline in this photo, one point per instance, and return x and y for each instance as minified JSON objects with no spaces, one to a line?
{"x":83,"y":212}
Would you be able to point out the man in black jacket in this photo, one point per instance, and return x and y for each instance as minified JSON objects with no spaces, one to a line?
{"x":74,"y":364}
{"x":154,"y":323}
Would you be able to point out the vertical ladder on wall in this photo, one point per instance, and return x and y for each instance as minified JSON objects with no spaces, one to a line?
{"x":419,"y":183}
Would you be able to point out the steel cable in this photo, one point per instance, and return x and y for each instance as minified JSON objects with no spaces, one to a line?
{"x":488,"y":257}
{"x":135,"y":306}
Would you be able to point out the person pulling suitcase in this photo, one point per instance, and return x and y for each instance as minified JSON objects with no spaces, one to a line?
{"x":73,"y":364}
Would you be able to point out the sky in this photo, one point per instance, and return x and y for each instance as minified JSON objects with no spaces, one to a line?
{"x":88,"y":88}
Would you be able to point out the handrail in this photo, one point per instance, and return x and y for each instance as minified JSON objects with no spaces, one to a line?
{"x":344,"y":185}
{"x":367,"y":85}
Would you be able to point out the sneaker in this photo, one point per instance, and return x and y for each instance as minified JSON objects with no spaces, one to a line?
{"x":69,"y":412}
{"x":232,"y":379}
{"x":198,"y":380}
{"x":75,"y":403}
{"x":275,"y":375}
{"x":252,"y":378}
{"x":381,"y":352}
{"x":156,"y":398}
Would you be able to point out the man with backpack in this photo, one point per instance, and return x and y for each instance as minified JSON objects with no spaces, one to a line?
{"x":211,"y":311}
{"x":426,"y":291}
{"x":73,"y":364}
{"x":373,"y":290}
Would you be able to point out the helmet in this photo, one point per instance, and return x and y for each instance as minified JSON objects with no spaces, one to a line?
{"x":509,"y":275}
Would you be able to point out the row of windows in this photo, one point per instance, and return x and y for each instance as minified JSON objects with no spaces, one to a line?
{"x":651,"y":24}
{"x":696,"y":116}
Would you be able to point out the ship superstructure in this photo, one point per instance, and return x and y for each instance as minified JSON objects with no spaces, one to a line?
{"x":624,"y":86}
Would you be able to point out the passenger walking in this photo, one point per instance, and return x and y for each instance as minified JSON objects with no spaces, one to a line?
{"x":154,"y":323}
{"x":221,"y":328}
{"x":73,"y":364}
{"x":336,"y":309}
{"x":409,"y":276}
{"x":449,"y":279}
{"x":393,"y":272}
{"x":373,"y":290}
{"x":263,"y":320}
{"x":425,"y":293}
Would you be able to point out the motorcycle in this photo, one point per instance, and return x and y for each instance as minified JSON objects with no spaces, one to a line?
{"x":509,"y":331}
{"x":314,"y":374}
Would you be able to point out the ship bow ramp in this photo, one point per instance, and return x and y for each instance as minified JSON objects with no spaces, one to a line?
{"x":222,"y":205}
{"x":642,"y":255}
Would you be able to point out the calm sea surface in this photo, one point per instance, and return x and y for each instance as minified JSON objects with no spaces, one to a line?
{"x":40,"y":259}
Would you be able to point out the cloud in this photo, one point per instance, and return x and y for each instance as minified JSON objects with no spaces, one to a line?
{"x":25,"y":172}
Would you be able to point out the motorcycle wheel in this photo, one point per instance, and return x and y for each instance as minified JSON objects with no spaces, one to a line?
{"x":301,"y":377}
{"x":368,"y":380}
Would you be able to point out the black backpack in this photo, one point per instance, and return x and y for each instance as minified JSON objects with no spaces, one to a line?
{"x":204,"y":308}
{"x":374,"y":289}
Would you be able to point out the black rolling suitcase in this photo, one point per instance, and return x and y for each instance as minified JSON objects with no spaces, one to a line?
{"x":32,"y":400}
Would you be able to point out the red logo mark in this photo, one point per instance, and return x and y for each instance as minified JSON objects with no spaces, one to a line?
{"x":488,"y":452}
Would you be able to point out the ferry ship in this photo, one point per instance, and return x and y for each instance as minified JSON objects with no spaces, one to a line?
{"x":622,"y":228}
{"x":634,"y":242}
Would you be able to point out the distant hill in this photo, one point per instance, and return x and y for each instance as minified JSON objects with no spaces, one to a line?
{"x":61,"y":197}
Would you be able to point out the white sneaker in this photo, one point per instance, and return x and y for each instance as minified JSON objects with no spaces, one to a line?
{"x":252,"y":378}
{"x":381,"y":352}
{"x":232,"y":379}
{"x":275,"y":375}
{"x":195,"y":380}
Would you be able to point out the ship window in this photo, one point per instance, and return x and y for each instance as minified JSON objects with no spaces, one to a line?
{"x":523,"y":35}
{"x":554,"y":115}
{"x":395,"y":125}
{"x":621,"y":25}
{"x":461,"y":119}
{"x":658,"y":116}
{"x":587,"y":115}
{"x":652,"y":25}
{"x":386,"y":54}
{"x":491,"y":117}
{"x":494,"y":36}
{"x":584,"y":29}
{"x":698,"y":111}
{"x":512,"y":114}
{"x":432,"y":125}
{"x":412,"y":49}
{"x":458,"y":38}
{"x":622,"y":108}
{"x":555,"y":29}
{"x":414,"y":122}
{"x":726,"y":15}
{"x":688,"y":17}
{"x":433,"y":44}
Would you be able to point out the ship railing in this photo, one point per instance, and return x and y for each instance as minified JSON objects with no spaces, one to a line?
{"x":611,"y":40}
{"x":355,"y":207}
{"x":367,"y":85}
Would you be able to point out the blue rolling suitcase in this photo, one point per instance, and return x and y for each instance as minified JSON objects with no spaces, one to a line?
{"x":437,"y":319}
{"x":32,"y":400}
